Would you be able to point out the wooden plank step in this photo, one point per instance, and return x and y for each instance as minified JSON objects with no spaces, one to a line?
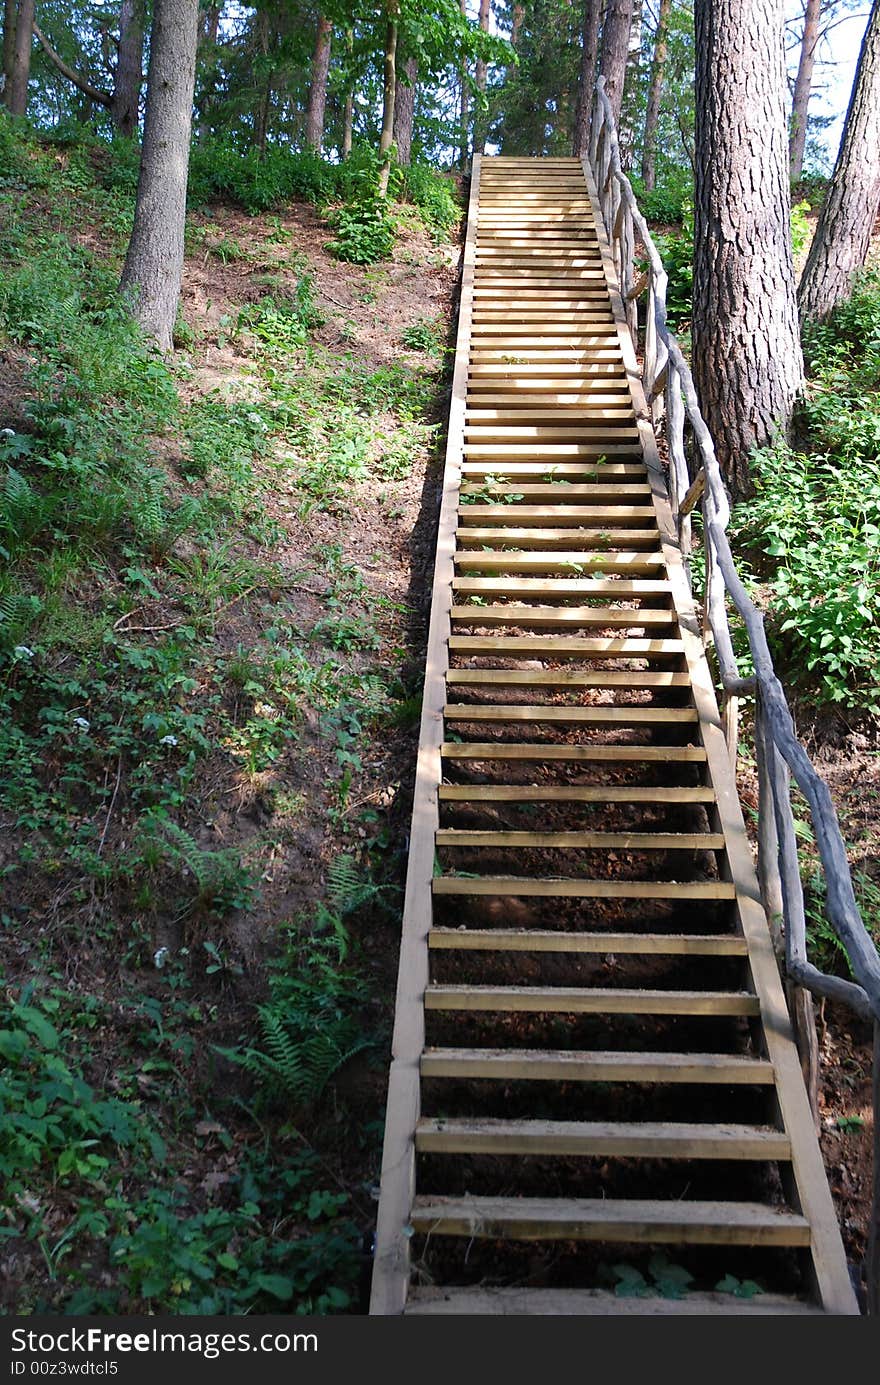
{"x":562,"y":491}
{"x":566,"y":678}
{"x":561,"y":471}
{"x":611,"y":1139}
{"x":623,"y":587}
{"x":522,"y":887}
{"x":583,"y":1000}
{"x":531,"y":750}
{"x":477,"y":1301}
{"x":564,"y":646}
{"x":543,"y":940}
{"x":518,"y":403}
{"x":580,"y":1065}
{"x":574,"y":793}
{"x":572,"y":716}
{"x":608,"y":1219}
{"x":613,"y":542}
{"x":472,"y":560}
{"x":562,"y":617}
{"x":590,"y":374}
{"x":574,"y":418}
{"x":592,"y":841}
{"x":550,"y":451}
{"x":516,"y":514}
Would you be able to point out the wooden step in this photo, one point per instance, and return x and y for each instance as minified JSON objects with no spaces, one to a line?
{"x":559,"y":489}
{"x":516,"y":514}
{"x":573,"y":1065}
{"x":581,"y":1000}
{"x":513,"y":414}
{"x":529,"y":750}
{"x":480,"y":1301}
{"x":573,"y":793}
{"x":545,"y":587}
{"x":614,"y":541}
{"x":559,"y":561}
{"x":530,"y":887}
{"x":545,"y":940}
{"x":598,"y":1139}
{"x":562,"y":617}
{"x":571,"y":716}
{"x":564,"y":646}
{"x":566,"y":678}
{"x":587,"y":841}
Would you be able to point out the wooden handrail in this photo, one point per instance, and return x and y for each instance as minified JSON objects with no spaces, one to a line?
{"x":780,"y":756}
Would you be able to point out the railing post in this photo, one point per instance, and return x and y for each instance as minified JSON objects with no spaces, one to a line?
{"x":768,"y":842}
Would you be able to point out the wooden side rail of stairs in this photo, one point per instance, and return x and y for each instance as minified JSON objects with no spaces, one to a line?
{"x":593,"y":1073}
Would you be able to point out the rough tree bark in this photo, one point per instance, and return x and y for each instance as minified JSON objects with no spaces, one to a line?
{"x":746,"y":346}
{"x":802,"y":86}
{"x":154,"y":262}
{"x":17,"y":92}
{"x":129,"y":75}
{"x":480,"y":121}
{"x":843,"y":232}
{"x":318,"y":89}
{"x":10,"y":13}
{"x":589,"y":57}
{"x":463,"y":109}
{"x":405,"y":111}
{"x":655,"y":92}
{"x":389,"y":94}
{"x":616,"y":31}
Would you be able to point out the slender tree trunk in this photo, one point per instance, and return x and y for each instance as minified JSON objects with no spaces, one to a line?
{"x":261,"y":114}
{"x":655,"y":92}
{"x":616,"y":31}
{"x":129,"y":68}
{"x":348,"y":109}
{"x":589,"y":56}
{"x":480,"y":116}
{"x":212,"y":24}
{"x":746,"y":347}
{"x":516,"y":23}
{"x":21,"y":59}
{"x":843,"y":232}
{"x":405,"y":111}
{"x":10,"y":13}
{"x":389,"y":95}
{"x":318,"y":88}
{"x":464,"y":109}
{"x":154,"y":263}
{"x":802,"y":86}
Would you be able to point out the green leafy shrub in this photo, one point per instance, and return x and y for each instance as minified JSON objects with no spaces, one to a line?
{"x":280,"y":321}
{"x":800,"y":226}
{"x":435,"y":196}
{"x":677,"y":253}
{"x":364,"y":231}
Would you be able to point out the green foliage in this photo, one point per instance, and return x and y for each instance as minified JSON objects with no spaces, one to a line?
{"x":816,"y":514}
{"x":800,"y":226}
{"x":433,"y":194}
{"x":425,"y":335}
{"x":677,"y":253}
{"x":282,"y":322}
{"x":364,"y":231}
{"x":668,"y":200}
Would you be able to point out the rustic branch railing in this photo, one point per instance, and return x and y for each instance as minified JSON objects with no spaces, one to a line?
{"x":669,"y":385}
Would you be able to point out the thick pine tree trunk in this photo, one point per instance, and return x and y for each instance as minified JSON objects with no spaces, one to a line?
{"x":389,"y":95}
{"x":616,"y":31}
{"x":129,"y":68}
{"x":405,"y":111}
{"x":17,"y":96}
{"x":843,"y":232}
{"x":480,"y":119}
{"x":655,"y":92}
{"x":154,"y":263}
{"x":746,"y":347}
{"x":10,"y":11}
{"x":802,"y":86}
{"x":589,"y":57}
{"x":318,"y":89}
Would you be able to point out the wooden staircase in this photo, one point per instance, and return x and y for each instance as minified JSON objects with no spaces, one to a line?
{"x":593,"y":1064}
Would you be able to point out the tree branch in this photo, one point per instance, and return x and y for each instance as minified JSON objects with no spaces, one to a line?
{"x":103,"y":98}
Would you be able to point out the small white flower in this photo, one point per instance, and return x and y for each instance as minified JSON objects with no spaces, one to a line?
{"x":7,"y":432}
{"x":168,"y":740}
{"x":21,"y":651}
{"x":160,"y":957}
{"x":81,"y":723}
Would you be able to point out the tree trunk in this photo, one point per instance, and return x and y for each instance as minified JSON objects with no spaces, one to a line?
{"x":348,"y":109}
{"x":589,"y":56}
{"x":129,"y":68}
{"x":9,"y":17}
{"x":154,"y":263}
{"x":404,"y":112}
{"x":389,"y":95}
{"x":802,"y":86}
{"x":480,"y":116}
{"x":21,"y":59}
{"x":212,"y":24}
{"x":318,"y":88}
{"x":101,"y":98}
{"x":746,"y":348}
{"x":616,"y":31}
{"x":516,"y":23}
{"x":261,"y":114}
{"x":843,"y":232}
{"x":464,"y":109}
{"x":652,"y":115}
